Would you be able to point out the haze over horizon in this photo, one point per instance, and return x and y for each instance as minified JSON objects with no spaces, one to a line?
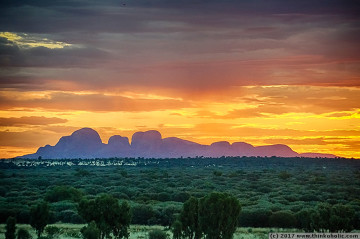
{"x":259,"y":72}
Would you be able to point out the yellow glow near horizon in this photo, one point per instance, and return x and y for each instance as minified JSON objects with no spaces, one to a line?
{"x":205,"y":121}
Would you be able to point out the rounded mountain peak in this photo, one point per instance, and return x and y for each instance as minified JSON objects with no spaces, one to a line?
{"x":118,"y":140}
{"x":146,"y":138}
{"x":86,"y":135}
{"x":147,"y":135}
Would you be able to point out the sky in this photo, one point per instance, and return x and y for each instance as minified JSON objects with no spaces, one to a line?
{"x":262,"y":72}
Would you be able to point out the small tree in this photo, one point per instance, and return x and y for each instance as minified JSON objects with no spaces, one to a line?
{"x":121,"y":220}
{"x":90,"y":231}
{"x":341,"y":218}
{"x":303,"y":219}
{"x":189,"y":218}
{"x":10,"y":228}
{"x":176,"y":229}
{"x":218,"y":215}
{"x":39,"y":217}
{"x":23,"y":234}
{"x":335,"y":218}
{"x":108,"y":215}
{"x":319,"y":219}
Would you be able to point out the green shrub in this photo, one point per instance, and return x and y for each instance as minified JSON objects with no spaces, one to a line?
{"x":44,"y":237}
{"x":334,"y":218}
{"x":60,"y":193}
{"x":108,"y":215}
{"x":90,"y":231}
{"x":256,"y":218}
{"x":176,"y":229}
{"x":39,"y":217}
{"x":217,"y":173}
{"x":22,"y":233}
{"x":284,"y":175}
{"x":10,"y":228}
{"x":218,"y":215}
{"x":73,"y":234}
{"x":142,"y":214}
{"x":285,"y":219}
{"x":52,"y":231}
{"x":158,"y":234}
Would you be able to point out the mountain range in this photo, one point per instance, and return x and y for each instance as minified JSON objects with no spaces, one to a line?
{"x":86,"y":143}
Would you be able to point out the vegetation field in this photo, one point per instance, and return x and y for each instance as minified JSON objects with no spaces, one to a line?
{"x":141,"y":232}
{"x":273,"y":192}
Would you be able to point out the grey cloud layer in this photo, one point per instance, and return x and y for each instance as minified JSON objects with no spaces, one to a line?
{"x":181,"y":44}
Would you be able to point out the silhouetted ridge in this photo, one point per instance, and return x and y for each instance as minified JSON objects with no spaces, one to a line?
{"x":117,"y":140}
{"x":86,"y":143}
{"x":146,"y":144}
{"x":117,"y":145}
{"x":83,"y":143}
{"x":280,"y":150}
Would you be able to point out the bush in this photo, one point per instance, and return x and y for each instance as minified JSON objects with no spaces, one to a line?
{"x":142,"y":214}
{"x":44,"y":237}
{"x":334,"y":218}
{"x":91,"y":231}
{"x":180,"y":196}
{"x":108,"y":215}
{"x":163,"y":197}
{"x":284,"y":175}
{"x":39,"y":217}
{"x":217,"y":173}
{"x":82,"y":172}
{"x":166,"y":216}
{"x":256,"y":218}
{"x":10,"y":228}
{"x":218,"y":215}
{"x":22,"y":233}
{"x":304,"y":220}
{"x":61,"y":193}
{"x":284,"y":219}
{"x":157,"y":234}
{"x":176,"y":229}
{"x":73,"y":234}
{"x":52,"y":231}
{"x":189,"y":219}
{"x":23,"y":215}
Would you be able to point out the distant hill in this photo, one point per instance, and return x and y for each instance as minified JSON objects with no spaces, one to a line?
{"x":86,"y":143}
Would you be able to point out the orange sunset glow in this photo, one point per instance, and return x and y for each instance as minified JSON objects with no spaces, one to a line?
{"x":288,"y":73}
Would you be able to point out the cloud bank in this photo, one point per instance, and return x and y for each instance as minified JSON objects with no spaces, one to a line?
{"x":261,"y":71}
